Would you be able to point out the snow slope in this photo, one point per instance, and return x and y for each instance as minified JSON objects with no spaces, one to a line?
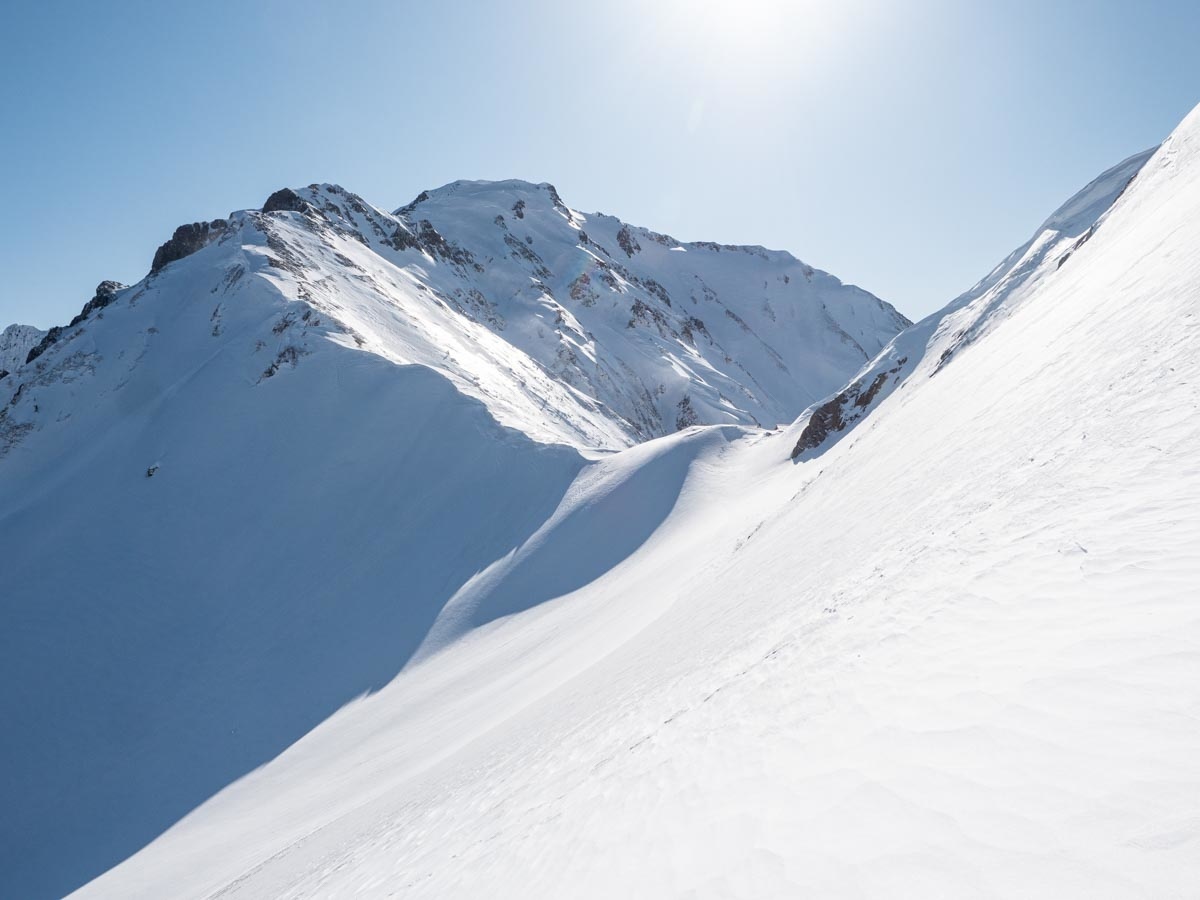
{"x":243,"y":492}
{"x":955,"y":654}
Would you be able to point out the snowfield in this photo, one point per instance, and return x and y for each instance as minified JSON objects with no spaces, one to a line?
{"x":379,"y":633}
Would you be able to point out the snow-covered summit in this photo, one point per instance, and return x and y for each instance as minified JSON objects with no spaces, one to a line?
{"x":572,"y":328}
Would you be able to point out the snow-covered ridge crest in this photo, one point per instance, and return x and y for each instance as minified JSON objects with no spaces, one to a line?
{"x":955,"y":656}
{"x":653,"y":334}
{"x":573,"y":328}
{"x":930,"y":344}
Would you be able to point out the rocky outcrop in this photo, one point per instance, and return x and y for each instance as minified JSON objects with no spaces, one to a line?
{"x":106,"y":293}
{"x":842,"y":410}
{"x":408,"y":208}
{"x":627,"y":242}
{"x":187,"y":240}
{"x":285,"y":200}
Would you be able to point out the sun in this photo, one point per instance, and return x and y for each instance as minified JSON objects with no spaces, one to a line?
{"x":747,"y":20}
{"x":741,"y":35}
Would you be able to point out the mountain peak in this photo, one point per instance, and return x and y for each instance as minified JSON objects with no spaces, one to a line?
{"x":511,"y":194}
{"x":576,"y":329}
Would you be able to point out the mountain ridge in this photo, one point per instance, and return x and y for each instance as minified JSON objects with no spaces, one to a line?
{"x":753,"y":337}
{"x":928,"y":345}
{"x":295,"y":457}
{"x":15,"y":343}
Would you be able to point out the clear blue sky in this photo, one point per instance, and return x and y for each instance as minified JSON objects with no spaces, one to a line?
{"x":904,"y":145}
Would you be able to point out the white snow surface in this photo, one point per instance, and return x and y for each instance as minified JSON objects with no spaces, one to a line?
{"x":956,"y":653}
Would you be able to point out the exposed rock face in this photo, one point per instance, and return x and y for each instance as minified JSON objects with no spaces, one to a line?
{"x":409,"y":207}
{"x":106,"y":292}
{"x":285,"y":200}
{"x":187,"y":240}
{"x":627,"y":242}
{"x":842,"y":410}
{"x":45,"y":343}
{"x":686,"y":417}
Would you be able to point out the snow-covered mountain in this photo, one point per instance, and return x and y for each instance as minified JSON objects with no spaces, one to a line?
{"x":575,"y":329}
{"x":296,"y":555}
{"x":664,"y":334}
{"x":239,"y":493}
{"x":15,"y":343}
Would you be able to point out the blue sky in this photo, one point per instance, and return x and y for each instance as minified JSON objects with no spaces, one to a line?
{"x":903,"y":146}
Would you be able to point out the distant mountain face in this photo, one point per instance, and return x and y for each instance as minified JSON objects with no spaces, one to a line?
{"x":574,"y":328}
{"x":15,"y":343}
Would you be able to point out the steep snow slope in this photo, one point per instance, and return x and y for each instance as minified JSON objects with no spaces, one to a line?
{"x":15,"y":343}
{"x":955,"y":655}
{"x":242,"y":492}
